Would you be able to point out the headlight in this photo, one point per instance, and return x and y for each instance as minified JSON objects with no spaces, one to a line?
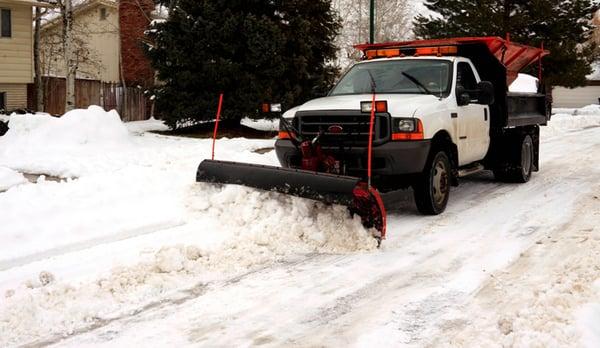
{"x":404,"y":125}
{"x":407,"y":129}
{"x":266,"y":108}
{"x":380,"y":106}
{"x":275,"y":107}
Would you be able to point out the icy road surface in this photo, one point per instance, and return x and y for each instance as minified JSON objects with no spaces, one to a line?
{"x":129,"y":251}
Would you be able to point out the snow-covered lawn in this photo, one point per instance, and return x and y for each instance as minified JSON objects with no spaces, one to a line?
{"x":127,"y":250}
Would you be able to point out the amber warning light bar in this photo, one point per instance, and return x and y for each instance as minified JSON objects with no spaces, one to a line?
{"x":419,"y":51}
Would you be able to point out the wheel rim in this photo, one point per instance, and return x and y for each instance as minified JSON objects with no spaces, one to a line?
{"x":440,"y":182}
{"x":526,"y":157}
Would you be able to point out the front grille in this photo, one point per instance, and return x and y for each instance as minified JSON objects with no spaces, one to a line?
{"x":354,"y":125}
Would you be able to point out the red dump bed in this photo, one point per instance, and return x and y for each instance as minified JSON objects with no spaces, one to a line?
{"x":515,"y":57}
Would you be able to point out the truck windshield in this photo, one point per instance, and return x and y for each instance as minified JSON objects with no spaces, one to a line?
{"x":416,"y":76}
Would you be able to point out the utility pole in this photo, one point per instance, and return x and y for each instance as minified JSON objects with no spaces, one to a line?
{"x":372,"y":22}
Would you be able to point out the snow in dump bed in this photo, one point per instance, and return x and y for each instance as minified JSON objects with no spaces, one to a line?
{"x":10,"y":178}
{"x":524,"y":84}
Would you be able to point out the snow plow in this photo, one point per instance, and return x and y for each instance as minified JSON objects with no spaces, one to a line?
{"x":317,"y":178}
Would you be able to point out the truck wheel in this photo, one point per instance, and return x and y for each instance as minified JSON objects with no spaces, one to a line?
{"x":432,"y":188}
{"x":521,"y":166}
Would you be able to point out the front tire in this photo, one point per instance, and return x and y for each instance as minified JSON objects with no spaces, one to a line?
{"x":432,"y":188}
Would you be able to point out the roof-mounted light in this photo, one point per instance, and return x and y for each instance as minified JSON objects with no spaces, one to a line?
{"x":436,"y":51}
{"x":387,"y":53}
{"x":418,"y":51}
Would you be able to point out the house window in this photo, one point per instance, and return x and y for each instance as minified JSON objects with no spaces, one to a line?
{"x":2,"y":101}
{"x":5,"y":23}
{"x":103,"y":14}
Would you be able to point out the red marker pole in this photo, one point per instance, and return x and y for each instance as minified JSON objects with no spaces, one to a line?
{"x":540,"y":63}
{"x":217,"y":125}
{"x":370,"y":155}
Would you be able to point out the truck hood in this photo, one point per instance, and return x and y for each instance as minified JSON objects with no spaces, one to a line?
{"x":399,"y":105}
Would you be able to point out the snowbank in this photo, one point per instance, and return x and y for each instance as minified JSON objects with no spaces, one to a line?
{"x":261,"y":124}
{"x":150,"y":125}
{"x":524,"y":84}
{"x":65,"y":146}
{"x":593,"y":109}
{"x":10,"y":178}
{"x":563,"y":123}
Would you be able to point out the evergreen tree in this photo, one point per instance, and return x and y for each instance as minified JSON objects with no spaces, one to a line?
{"x":253,"y":51}
{"x":564,"y":27}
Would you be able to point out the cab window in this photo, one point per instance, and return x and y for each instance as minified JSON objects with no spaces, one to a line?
{"x":465,"y":76}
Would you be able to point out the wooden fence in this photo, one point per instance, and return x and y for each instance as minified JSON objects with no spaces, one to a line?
{"x":130,"y":102}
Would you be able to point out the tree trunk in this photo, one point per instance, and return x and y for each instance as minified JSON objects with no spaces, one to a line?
{"x":71,"y":64}
{"x":506,"y":16}
{"x":172,"y":5}
{"x":39,"y":87}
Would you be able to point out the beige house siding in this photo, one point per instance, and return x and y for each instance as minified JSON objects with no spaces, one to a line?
{"x":16,"y":95}
{"x":576,"y":97}
{"x":99,"y":39}
{"x":16,"y":52}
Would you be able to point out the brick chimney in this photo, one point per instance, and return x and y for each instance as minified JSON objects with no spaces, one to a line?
{"x":134,"y":20}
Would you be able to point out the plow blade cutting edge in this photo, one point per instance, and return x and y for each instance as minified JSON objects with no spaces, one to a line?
{"x":328,"y":188}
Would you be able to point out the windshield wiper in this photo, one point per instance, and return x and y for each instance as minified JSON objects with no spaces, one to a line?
{"x":417,"y":82}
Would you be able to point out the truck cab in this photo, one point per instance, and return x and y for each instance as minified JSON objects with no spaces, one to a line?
{"x":442,"y":111}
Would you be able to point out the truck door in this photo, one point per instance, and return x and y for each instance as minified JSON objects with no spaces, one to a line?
{"x":473,"y":119}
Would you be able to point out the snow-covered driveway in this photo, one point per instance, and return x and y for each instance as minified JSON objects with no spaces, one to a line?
{"x":138,"y":254}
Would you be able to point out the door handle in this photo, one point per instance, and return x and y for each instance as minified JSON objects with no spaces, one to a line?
{"x":485,"y":114}
{"x":454,"y":115}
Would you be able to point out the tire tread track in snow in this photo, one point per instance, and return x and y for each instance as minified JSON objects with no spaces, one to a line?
{"x":177,"y":298}
{"x":74,"y":247}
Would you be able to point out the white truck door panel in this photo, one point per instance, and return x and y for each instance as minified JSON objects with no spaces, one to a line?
{"x":473,"y":120}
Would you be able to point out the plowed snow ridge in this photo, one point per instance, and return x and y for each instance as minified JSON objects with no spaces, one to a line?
{"x":264,"y":227}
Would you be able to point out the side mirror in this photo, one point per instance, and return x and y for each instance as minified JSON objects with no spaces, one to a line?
{"x":485,"y":91}
{"x":462,"y":96}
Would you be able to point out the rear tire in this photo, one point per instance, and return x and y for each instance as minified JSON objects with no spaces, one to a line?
{"x":432,"y":188}
{"x":520,"y":165}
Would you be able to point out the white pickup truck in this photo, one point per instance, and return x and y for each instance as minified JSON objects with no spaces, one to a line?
{"x":443,"y":111}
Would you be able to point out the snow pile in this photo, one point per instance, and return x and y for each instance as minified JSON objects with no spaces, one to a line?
{"x":10,"y":178}
{"x":274,"y":225}
{"x":138,"y":127}
{"x":524,"y":84}
{"x":568,"y":120}
{"x":257,"y":228}
{"x":65,"y":146}
{"x":592,"y":109}
{"x":261,"y":124}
